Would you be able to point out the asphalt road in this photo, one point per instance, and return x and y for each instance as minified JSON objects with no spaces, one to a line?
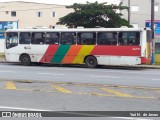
{"x":71,"y":88}
{"x":113,"y":76}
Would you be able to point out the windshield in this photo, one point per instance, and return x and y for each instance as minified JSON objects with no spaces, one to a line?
{"x":11,"y":40}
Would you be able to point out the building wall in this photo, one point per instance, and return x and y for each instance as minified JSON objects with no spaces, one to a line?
{"x":26,"y":13}
{"x":144,"y":12}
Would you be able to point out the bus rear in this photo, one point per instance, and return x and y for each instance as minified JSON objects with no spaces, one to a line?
{"x":146,"y":47}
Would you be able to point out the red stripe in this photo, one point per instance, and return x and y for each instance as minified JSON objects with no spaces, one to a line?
{"x":50,"y":52}
{"x":117,"y":50}
{"x":145,"y":60}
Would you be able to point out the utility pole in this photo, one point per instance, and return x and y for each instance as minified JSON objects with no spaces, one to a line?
{"x":129,"y":15}
{"x":152,"y":28}
{"x":152,"y":17}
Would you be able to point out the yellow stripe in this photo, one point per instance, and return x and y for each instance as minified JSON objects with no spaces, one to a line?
{"x":85,"y":50}
{"x":116,"y":92}
{"x":10,"y":85}
{"x":61,"y":89}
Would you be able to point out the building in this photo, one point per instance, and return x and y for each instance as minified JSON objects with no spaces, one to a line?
{"x":28,"y":15}
{"x":140,"y":16}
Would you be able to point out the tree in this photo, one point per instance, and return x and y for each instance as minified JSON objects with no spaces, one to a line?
{"x":90,"y":15}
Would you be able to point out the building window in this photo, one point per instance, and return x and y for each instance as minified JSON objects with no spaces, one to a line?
{"x":156,"y":8}
{"x":13,"y":13}
{"x":53,"y":14}
{"x":135,"y":8}
{"x":39,"y":14}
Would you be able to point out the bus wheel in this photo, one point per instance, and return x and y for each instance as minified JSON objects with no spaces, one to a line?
{"x":25,"y":60}
{"x":91,"y":62}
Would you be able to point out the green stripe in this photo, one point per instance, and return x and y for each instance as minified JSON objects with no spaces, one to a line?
{"x":60,"y":54}
{"x":157,"y":52}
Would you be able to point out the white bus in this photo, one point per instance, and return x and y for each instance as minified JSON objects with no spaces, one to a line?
{"x":89,"y":46}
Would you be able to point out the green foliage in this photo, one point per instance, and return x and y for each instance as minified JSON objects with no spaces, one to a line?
{"x":90,"y":15}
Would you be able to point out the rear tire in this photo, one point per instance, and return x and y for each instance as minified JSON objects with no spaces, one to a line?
{"x":25,"y":60}
{"x":91,"y":62}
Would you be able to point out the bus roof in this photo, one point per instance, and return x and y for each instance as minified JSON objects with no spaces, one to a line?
{"x":77,"y":30}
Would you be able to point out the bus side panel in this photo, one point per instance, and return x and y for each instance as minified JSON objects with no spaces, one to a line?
{"x":35,"y":52}
{"x":67,"y":54}
{"x":71,"y":54}
{"x":50,"y":52}
{"x":117,"y":55}
{"x":85,"y":51}
{"x":60,"y":53}
{"x":117,"y":50}
{"x":118,"y":60}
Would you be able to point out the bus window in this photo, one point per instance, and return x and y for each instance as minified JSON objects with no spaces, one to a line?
{"x":86,"y":38}
{"x":38,"y":38}
{"x":52,"y":38}
{"x":12,"y":40}
{"x":129,"y":38}
{"x":107,"y":38}
{"x":68,"y":38}
{"x":25,"y":38}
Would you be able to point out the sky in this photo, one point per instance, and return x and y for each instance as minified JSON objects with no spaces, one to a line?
{"x":64,"y":2}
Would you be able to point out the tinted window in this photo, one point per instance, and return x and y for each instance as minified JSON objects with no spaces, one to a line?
{"x":107,"y":38}
{"x":68,"y":38}
{"x":12,"y":40}
{"x":38,"y":38}
{"x":25,"y":38}
{"x":86,"y":38}
{"x":129,"y":38}
{"x":52,"y":38}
